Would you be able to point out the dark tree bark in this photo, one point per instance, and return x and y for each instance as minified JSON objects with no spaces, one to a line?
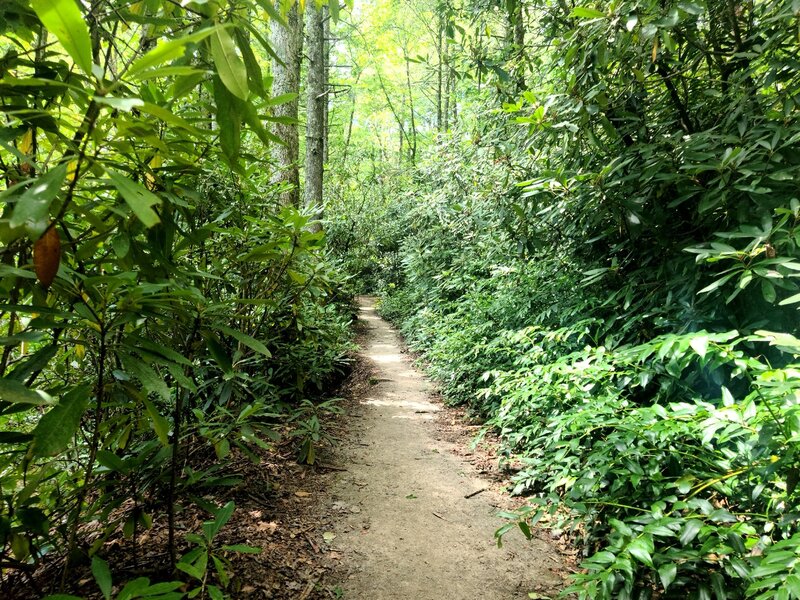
{"x":515,"y":43}
{"x":315,"y":115}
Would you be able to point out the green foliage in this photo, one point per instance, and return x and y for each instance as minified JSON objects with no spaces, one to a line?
{"x":608,"y":273}
{"x":185,"y":309}
{"x":197,"y":562}
{"x":307,"y":426}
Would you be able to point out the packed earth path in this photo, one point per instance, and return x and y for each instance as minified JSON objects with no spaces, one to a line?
{"x":417,"y":519}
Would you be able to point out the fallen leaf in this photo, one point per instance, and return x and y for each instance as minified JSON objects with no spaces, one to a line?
{"x":302,"y":494}
{"x":328,"y":536}
{"x":268,"y":526}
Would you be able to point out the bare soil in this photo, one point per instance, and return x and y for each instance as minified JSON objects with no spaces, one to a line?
{"x":416,"y":510}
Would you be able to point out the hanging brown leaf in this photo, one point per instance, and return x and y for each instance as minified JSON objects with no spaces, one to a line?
{"x":47,"y":256}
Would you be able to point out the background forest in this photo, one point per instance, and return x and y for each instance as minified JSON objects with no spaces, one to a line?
{"x":583,"y":216}
{"x":597,"y":252}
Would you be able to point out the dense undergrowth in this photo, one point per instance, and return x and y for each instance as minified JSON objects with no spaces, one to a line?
{"x":162,"y":313}
{"x":606,"y":270}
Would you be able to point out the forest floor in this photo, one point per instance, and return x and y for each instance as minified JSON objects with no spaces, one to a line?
{"x":415,"y":509}
{"x":403,"y":507}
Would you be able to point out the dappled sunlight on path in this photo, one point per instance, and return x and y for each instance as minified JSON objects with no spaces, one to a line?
{"x":418,"y":531}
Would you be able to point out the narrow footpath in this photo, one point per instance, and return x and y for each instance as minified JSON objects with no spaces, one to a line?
{"x":410,"y":527}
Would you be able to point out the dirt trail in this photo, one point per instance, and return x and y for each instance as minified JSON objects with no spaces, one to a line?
{"x":405,"y":529}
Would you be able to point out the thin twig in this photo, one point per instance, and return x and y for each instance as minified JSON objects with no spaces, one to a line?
{"x":475,"y":493}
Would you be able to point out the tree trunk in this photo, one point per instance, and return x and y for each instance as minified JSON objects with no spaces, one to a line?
{"x":439,"y":70}
{"x":326,"y":54}
{"x":288,"y":45}
{"x":447,"y":91}
{"x":515,"y":43}
{"x":412,"y":143}
{"x":349,"y":133}
{"x":315,"y":115}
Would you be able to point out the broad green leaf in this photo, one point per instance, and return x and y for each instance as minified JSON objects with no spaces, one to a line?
{"x":140,"y":200}
{"x":167,"y":353}
{"x":621,"y":527}
{"x":191,"y":570}
{"x":111,"y":461}
{"x":640,"y":548}
{"x":63,"y":19}
{"x":247,"y":340}
{"x":151,"y":381}
{"x":253,"y":120}
{"x":792,"y":584}
{"x":282,"y":99}
{"x":37,"y":361}
{"x":269,"y":8}
{"x":785,"y":341}
{"x":159,"y":424}
{"x":32,"y":210}
{"x":790,"y":300}
{"x":684,"y":484}
{"x":16,"y":392}
{"x":690,"y":530}
{"x":716,"y":284}
{"x":230,"y":67}
{"x":215,"y":593}
{"x":171,"y":119}
{"x":157,"y":589}
{"x":768,"y":291}
{"x":229,"y":119}
{"x":133,"y":589}
{"x":165,"y":51}
{"x":667,"y":574}
{"x":221,"y":517}
{"x":584,"y":12}
{"x":55,"y":430}
{"x":255,"y":78}
{"x":102,"y":575}
{"x":525,"y":529}
{"x":218,"y":351}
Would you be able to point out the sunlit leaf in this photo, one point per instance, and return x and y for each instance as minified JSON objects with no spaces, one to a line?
{"x":140,"y":200}
{"x":64,"y":19}
{"x":230,"y":67}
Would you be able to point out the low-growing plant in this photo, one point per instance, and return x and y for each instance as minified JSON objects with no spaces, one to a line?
{"x":198,"y":562}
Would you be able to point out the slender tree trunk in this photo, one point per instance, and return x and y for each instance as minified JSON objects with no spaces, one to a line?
{"x":349,"y":133}
{"x":515,"y":43}
{"x":326,"y":53}
{"x":412,"y":143}
{"x":315,"y":115}
{"x":288,"y":45}
{"x":390,"y":104}
{"x":454,"y":101}
{"x":439,"y":70}
{"x":447,"y":91}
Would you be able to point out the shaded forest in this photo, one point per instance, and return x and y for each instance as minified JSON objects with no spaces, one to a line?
{"x":582,"y":216}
